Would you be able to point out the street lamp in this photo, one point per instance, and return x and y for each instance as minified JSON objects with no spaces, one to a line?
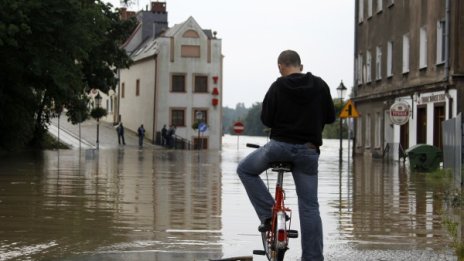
{"x":341,"y":90}
{"x":98,"y":100}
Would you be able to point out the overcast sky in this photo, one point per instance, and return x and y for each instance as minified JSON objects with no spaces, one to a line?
{"x":254,"y":32}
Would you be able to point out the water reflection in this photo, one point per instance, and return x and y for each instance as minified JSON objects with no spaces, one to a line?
{"x":132,"y":204}
{"x":150,"y":202}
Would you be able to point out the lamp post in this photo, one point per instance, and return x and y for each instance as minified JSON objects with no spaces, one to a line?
{"x":341,"y":90}
{"x":98,"y":100}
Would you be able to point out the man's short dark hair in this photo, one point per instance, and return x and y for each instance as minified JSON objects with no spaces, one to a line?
{"x":289,"y":58}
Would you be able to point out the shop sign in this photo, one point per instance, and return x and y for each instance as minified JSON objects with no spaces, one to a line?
{"x":400,"y":113}
{"x":432,"y":98}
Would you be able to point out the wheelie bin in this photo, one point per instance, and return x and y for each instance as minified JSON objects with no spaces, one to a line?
{"x":424,"y":157}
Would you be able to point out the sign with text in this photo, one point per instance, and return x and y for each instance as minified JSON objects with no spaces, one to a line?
{"x":400,"y":113}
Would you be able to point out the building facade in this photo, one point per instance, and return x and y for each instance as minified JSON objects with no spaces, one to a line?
{"x":409,"y":51}
{"x":175,"y":80}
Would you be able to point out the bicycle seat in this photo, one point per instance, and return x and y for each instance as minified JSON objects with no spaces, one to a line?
{"x":284,"y":166}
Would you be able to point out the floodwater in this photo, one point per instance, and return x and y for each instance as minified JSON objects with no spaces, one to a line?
{"x":144,"y":204}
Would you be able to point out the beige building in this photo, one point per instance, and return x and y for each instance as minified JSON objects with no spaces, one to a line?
{"x":175,"y":79}
{"x":406,"y":51}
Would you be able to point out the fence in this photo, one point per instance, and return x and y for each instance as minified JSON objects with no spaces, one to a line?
{"x":452,"y":147}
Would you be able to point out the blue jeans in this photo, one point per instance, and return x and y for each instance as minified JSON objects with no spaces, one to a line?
{"x":305,"y":170}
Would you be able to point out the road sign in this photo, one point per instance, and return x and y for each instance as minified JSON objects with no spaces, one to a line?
{"x":400,"y":112}
{"x":202,"y":127}
{"x":238,"y":127}
{"x":349,"y":111}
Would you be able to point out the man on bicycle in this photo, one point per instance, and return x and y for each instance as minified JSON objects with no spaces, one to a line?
{"x":296,"y":108}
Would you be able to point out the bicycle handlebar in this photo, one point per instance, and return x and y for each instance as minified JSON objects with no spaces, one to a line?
{"x":251,"y":145}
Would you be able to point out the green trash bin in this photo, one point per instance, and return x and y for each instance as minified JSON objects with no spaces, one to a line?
{"x":424,"y":157}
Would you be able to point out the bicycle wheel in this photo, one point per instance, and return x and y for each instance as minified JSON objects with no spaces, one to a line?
{"x":272,"y":253}
{"x":280,"y":253}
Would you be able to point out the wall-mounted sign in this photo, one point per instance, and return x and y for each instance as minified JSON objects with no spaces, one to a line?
{"x":432,"y":98}
{"x":400,"y":112}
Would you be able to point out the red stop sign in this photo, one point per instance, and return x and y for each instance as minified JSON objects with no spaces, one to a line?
{"x":238,"y":127}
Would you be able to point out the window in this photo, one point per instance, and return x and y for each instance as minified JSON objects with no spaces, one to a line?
{"x":190,"y":51}
{"x":178,"y":83}
{"x":178,"y":117}
{"x":201,"y":84}
{"x":367,"y":135}
{"x":137,"y":87}
{"x":379,"y":6}
{"x":359,"y":68}
{"x":191,"y":34}
{"x":441,"y":41}
{"x":423,"y":48}
{"x":405,"y":53}
{"x":378,"y":63}
{"x":389,"y":58}
{"x":200,"y":142}
{"x":377,"y":132}
{"x":368,"y":67}
{"x":369,"y":8}
{"x":359,"y":132}
{"x":123,"y":89}
{"x":203,"y":113}
{"x":360,"y":11}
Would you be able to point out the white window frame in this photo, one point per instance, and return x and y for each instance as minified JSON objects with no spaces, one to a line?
{"x":379,"y":6}
{"x":369,"y":9}
{"x":389,"y":59}
{"x":360,"y":11}
{"x":360,"y":68}
{"x":368,"y":67}
{"x":378,"y":63}
{"x":423,"y":47}
{"x":441,"y":41}
{"x":405,"y":53}
{"x":377,"y":131}
{"x":367,"y":134}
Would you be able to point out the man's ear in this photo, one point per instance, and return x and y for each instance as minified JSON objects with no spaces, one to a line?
{"x":301,"y":68}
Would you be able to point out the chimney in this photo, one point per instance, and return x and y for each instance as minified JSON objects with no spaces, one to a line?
{"x":158,"y":7}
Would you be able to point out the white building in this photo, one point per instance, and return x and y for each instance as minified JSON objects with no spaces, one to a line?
{"x":176,"y":77}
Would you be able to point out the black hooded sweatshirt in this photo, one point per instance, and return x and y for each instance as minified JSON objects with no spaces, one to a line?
{"x":296,"y":108}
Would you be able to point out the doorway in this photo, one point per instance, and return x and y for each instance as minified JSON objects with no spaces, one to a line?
{"x":421,"y":133}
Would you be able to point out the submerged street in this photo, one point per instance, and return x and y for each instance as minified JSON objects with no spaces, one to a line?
{"x":126,"y":203}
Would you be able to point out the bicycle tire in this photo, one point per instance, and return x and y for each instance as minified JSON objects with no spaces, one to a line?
{"x":272,"y":255}
{"x":280,"y":253}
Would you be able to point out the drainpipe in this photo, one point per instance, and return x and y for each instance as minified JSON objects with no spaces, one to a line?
{"x":153,"y":138}
{"x":354,"y":90}
{"x":117,"y":117}
{"x":447,"y":57}
{"x":447,"y":42}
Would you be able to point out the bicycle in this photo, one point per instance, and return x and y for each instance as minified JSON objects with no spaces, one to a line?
{"x":275,"y":239}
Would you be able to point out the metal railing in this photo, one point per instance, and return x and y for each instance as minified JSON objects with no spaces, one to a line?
{"x":176,"y":142}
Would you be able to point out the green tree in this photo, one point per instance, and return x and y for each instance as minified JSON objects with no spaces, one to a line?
{"x":230,"y":116}
{"x":253,"y":124}
{"x":52,"y":53}
{"x":332,"y":131}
